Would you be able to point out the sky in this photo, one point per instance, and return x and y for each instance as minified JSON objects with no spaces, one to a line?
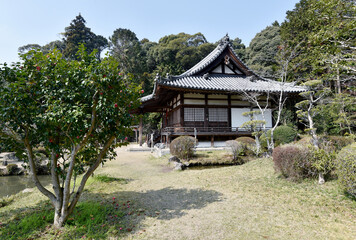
{"x":42,"y":21}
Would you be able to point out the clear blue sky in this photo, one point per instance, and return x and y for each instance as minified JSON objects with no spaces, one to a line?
{"x":41,"y":21}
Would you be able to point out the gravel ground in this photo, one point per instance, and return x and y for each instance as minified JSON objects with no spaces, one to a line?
{"x":237,"y":202}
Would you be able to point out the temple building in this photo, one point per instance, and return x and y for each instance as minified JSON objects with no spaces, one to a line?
{"x":207,"y":101}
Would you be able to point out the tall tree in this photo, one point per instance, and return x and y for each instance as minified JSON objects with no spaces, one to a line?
{"x":177,"y":53}
{"x":131,"y":54}
{"x":326,"y":29}
{"x":239,"y":48}
{"x":262,"y":51}
{"x":74,"y":110}
{"x":325,"y":33}
{"x":77,"y":33}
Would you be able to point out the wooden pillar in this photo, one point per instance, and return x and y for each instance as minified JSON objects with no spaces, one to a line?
{"x":181,"y":120}
{"x":212,"y":141}
{"x":229,"y":112}
{"x":206,"y":113}
{"x":140,"y":131}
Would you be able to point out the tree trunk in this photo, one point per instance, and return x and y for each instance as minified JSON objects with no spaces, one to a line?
{"x":321,"y":178}
{"x":315,"y":141}
{"x":338,"y":84}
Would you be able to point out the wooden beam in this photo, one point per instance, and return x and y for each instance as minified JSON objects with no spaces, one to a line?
{"x":140,"y":128}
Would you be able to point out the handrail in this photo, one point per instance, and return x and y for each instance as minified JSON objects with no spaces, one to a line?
{"x":205,"y":129}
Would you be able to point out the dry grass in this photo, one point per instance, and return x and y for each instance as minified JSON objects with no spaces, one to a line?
{"x":236,"y":202}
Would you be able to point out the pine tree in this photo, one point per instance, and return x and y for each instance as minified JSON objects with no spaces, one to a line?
{"x":77,"y":33}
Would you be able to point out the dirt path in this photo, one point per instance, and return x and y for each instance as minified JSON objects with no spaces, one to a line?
{"x":237,"y":202}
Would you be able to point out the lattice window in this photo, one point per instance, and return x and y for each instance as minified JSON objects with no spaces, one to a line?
{"x":217,"y":114}
{"x":194,"y":114}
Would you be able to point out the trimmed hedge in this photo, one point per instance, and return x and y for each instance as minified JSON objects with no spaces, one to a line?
{"x":182,"y":147}
{"x":246,"y":140}
{"x":248,"y":145}
{"x":346,"y":168}
{"x":281,"y":135}
{"x":293,"y":161}
{"x":284,"y":134}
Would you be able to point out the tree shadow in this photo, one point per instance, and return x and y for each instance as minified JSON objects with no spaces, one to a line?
{"x":168,"y":203}
{"x":126,"y":209}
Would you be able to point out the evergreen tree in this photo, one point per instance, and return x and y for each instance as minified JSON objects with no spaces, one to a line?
{"x":77,"y":33}
{"x":239,"y":48}
{"x":263,"y":50}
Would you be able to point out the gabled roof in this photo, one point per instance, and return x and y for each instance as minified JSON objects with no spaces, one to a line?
{"x":224,"y":48}
{"x":221,"y":71}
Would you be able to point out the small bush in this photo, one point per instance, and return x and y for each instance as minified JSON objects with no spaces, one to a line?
{"x":339,"y":142}
{"x":281,"y":135}
{"x":323,"y":160}
{"x":246,"y":140}
{"x":182,"y":147}
{"x":293,"y":161}
{"x":236,"y":150}
{"x":305,"y":140}
{"x":284,"y":134}
{"x":248,"y":144}
{"x":346,"y":168}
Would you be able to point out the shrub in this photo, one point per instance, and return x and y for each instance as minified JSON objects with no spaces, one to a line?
{"x":281,"y":135}
{"x":293,"y":161}
{"x":284,"y":134}
{"x":339,"y":142}
{"x":182,"y":147}
{"x":248,"y":144}
{"x":236,"y":149}
{"x":322,"y":160}
{"x":246,"y":140}
{"x":346,"y":168}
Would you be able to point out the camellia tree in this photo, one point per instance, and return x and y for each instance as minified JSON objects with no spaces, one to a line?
{"x":73,"y":111}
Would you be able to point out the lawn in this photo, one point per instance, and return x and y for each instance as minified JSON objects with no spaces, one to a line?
{"x":140,"y":198}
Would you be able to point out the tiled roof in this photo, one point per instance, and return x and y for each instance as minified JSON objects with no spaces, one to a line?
{"x":233,"y":83}
{"x":146,"y":98}
{"x":198,"y":78}
{"x":223,"y":44}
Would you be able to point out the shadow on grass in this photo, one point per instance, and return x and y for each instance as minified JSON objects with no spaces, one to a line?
{"x":106,"y":215}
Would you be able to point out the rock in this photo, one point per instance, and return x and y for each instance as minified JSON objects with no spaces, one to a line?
{"x":10,"y":157}
{"x":178,"y":166}
{"x":144,"y":145}
{"x":26,"y":190}
{"x":4,"y":162}
{"x":160,"y":145}
{"x":186,"y":164}
{"x":174,"y":159}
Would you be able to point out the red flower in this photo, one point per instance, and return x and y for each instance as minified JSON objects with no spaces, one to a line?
{"x":120,"y":74}
{"x":101,"y":93}
{"x":142,"y":91}
{"x":125,"y":138}
{"x":114,"y":198}
{"x":121,"y":91}
{"x":104,"y":75}
{"x":50,"y":140}
{"x":116,"y":105}
{"x":57,"y":155}
{"x":77,"y":137}
{"x":38,"y":68}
